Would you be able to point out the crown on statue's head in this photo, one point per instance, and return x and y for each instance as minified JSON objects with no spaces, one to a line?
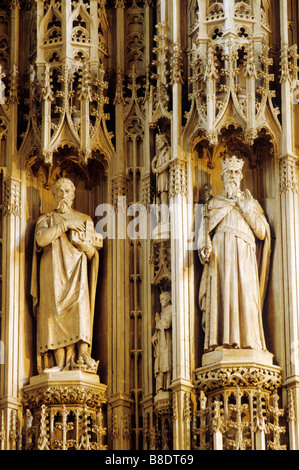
{"x":232,"y":162}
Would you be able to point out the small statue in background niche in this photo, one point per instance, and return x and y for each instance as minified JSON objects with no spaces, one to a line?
{"x":160,"y":166}
{"x":234,"y":247}
{"x":63,"y":284}
{"x":162,"y":343}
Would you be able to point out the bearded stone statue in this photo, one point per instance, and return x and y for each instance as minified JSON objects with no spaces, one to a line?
{"x":162,"y":342}
{"x":234,"y":246}
{"x":160,"y":167}
{"x":63,"y":284}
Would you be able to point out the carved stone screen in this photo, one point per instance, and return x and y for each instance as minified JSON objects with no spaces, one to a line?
{"x":149,"y":225}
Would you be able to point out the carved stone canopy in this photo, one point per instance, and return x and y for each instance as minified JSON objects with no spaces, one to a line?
{"x":67,"y":164}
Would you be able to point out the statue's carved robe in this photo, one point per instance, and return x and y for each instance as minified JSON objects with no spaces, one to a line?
{"x":163,"y":349}
{"x":162,"y":165}
{"x":63,"y":286}
{"x":233,"y":283}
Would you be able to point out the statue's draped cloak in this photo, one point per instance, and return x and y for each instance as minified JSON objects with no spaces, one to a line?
{"x":163,"y":334}
{"x":233,"y":284}
{"x":63,"y":286}
{"x":162,"y":166}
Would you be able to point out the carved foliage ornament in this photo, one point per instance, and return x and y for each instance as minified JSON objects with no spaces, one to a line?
{"x":3,"y":129}
{"x":178,"y":179}
{"x":64,"y":395}
{"x":160,"y":78}
{"x":288,"y":63}
{"x":268,"y":378}
{"x":12,"y":197}
{"x":176,"y":64}
{"x":288,"y":175}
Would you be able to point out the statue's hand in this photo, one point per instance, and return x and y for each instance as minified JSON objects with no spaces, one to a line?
{"x":86,"y":247}
{"x":154,"y":162}
{"x":245,"y":202}
{"x":75,"y":225}
{"x":205,"y":254}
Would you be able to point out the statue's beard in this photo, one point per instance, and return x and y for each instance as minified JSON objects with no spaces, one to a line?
{"x":232,"y":190}
{"x":64,"y":206}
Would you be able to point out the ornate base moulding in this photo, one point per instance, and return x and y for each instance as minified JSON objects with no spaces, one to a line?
{"x":76,"y":388}
{"x":63,"y":410}
{"x":240,"y":356}
{"x":162,"y":402}
{"x":237,"y":367}
{"x":73,"y":377}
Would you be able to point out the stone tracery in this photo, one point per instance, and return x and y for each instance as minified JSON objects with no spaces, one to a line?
{"x":205,"y":75}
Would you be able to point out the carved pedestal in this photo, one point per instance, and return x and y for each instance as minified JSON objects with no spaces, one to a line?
{"x":163,"y":413}
{"x":64,"y":410}
{"x":238,"y":402}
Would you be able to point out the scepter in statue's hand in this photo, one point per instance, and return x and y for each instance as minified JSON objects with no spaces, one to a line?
{"x":207,"y":247}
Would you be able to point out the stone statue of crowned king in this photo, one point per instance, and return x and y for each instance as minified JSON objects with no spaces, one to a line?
{"x":234,"y":246}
